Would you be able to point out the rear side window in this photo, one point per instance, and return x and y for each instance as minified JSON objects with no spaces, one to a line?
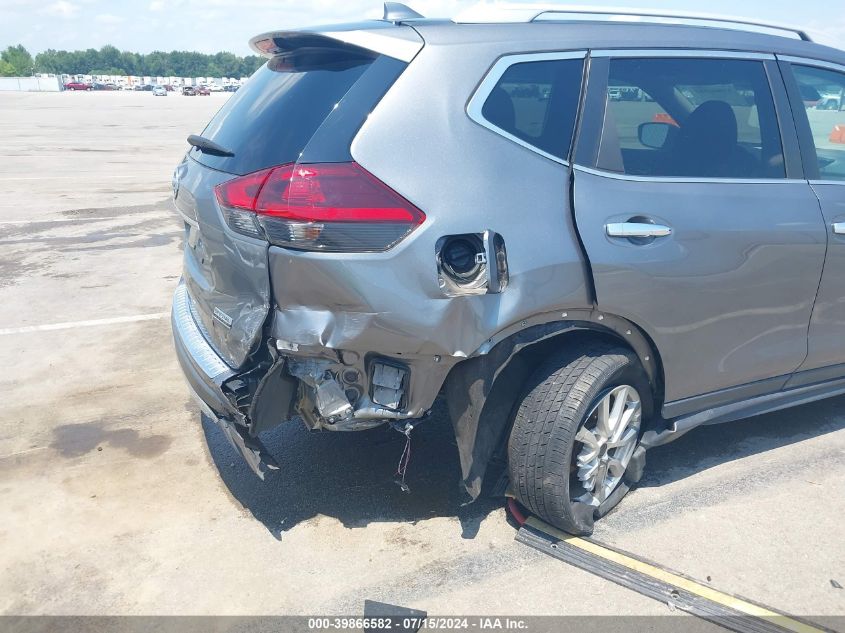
{"x":823,"y":93}
{"x":270,"y":120}
{"x":536,"y":103}
{"x":701,"y":118}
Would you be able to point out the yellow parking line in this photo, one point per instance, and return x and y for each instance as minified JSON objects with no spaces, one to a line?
{"x":675,"y":580}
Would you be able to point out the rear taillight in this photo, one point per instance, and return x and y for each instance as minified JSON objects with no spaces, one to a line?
{"x":336,"y":207}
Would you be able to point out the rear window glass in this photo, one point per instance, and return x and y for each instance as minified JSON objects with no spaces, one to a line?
{"x":537,"y":103}
{"x":270,"y":120}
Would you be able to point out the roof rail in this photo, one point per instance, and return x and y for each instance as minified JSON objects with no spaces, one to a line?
{"x":493,"y":13}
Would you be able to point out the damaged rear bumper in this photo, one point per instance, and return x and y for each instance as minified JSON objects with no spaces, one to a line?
{"x":206,"y":373}
{"x":316,"y":385}
{"x":204,"y":370}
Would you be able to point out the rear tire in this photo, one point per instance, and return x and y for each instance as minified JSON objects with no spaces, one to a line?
{"x":575,"y":431}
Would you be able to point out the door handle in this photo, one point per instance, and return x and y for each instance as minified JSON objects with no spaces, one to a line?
{"x":839,"y":228}
{"x":640,"y":229}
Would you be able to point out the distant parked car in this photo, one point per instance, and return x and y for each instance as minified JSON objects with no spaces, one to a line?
{"x":203,"y":91}
{"x":231,"y":88}
{"x":215,"y":88}
{"x":829,"y":101}
{"x":159,"y":91}
{"x":189,"y":91}
{"x":78,"y":85}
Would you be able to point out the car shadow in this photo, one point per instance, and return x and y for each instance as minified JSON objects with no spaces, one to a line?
{"x":351,"y":476}
{"x":709,"y":446}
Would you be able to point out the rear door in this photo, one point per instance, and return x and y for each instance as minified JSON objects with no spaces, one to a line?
{"x":696,"y":219}
{"x":309,"y":99}
{"x":817,"y":90}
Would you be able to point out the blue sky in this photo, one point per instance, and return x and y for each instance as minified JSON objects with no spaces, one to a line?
{"x":214,"y":25}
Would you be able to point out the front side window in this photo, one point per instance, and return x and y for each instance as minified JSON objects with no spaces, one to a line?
{"x":536,"y":102}
{"x":823,"y":94}
{"x":700,"y":118}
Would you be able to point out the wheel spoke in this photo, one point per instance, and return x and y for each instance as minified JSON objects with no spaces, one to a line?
{"x":586,"y":473}
{"x":588,"y":499}
{"x":601,"y":476}
{"x":629,"y":436}
{"x":615,"y":467}
{"x":603,"y":427}
{"x":590,"y":441}
{"x":616,"y":414}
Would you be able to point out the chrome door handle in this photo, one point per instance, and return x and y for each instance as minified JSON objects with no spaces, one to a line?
{"x":839,"y":228}
{"x":637,"y":229}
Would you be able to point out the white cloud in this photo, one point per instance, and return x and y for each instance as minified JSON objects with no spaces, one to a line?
{"x":61,"y":9}
{"x":157,"y":5}
{"x":108,"y":18}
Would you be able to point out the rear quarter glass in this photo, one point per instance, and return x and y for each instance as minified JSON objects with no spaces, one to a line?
{"x":271,"y":119}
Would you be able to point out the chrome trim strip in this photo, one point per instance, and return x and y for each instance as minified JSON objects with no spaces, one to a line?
{"x":681,"y":52}
{"x":476,"y":102}
{"x":191,"y":337}
{"x":684,"y":179}
{"x":636,"y":229}
{"x":808,"y":61}
{"x":826,"y":182}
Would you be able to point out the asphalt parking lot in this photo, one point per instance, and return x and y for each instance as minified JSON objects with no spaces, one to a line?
{"x":117,"y":499}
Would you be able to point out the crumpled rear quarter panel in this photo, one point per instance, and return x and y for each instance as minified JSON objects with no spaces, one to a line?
{"x":466,"y":179}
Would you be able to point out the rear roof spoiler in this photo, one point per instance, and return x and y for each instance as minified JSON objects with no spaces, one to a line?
{"x":384,"y":38}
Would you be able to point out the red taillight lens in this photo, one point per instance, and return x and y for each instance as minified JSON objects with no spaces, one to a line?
{"x":328,"y":207}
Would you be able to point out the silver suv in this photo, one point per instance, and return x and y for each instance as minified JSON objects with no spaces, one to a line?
{"x":589,"y":235}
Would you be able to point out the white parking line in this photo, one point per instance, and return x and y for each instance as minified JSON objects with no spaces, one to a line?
{"x":67,"y":219}
{"x":85,"y":218}
{"x":75,"y":324}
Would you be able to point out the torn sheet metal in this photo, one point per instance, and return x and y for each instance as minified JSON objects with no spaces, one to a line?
{"x":481,"y":391}
{"x":479,"y":414}
{"x":227,"y":277}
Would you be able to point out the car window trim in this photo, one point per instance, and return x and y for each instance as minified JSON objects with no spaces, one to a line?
{"x":649,"y":53}
{"x":491,"y":79}
{"x":684,"y":179}
{"x":801,"y":120}
{"x":809,"y":61}
{"x":681,"y":52}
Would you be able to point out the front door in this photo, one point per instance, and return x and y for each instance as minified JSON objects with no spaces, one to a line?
{"x":696,"y":219}
{"x":821,"y":118}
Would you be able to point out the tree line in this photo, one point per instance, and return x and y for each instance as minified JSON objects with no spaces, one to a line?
{"x":16,"y":61}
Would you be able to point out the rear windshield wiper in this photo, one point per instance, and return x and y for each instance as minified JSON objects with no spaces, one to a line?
{"x":207,"y":146}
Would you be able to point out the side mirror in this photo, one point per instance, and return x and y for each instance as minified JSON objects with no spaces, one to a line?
{"x":654,"y":135}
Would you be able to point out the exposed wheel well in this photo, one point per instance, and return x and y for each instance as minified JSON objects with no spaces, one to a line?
{"x":482,"y":391}
{"x":522,"y":364}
